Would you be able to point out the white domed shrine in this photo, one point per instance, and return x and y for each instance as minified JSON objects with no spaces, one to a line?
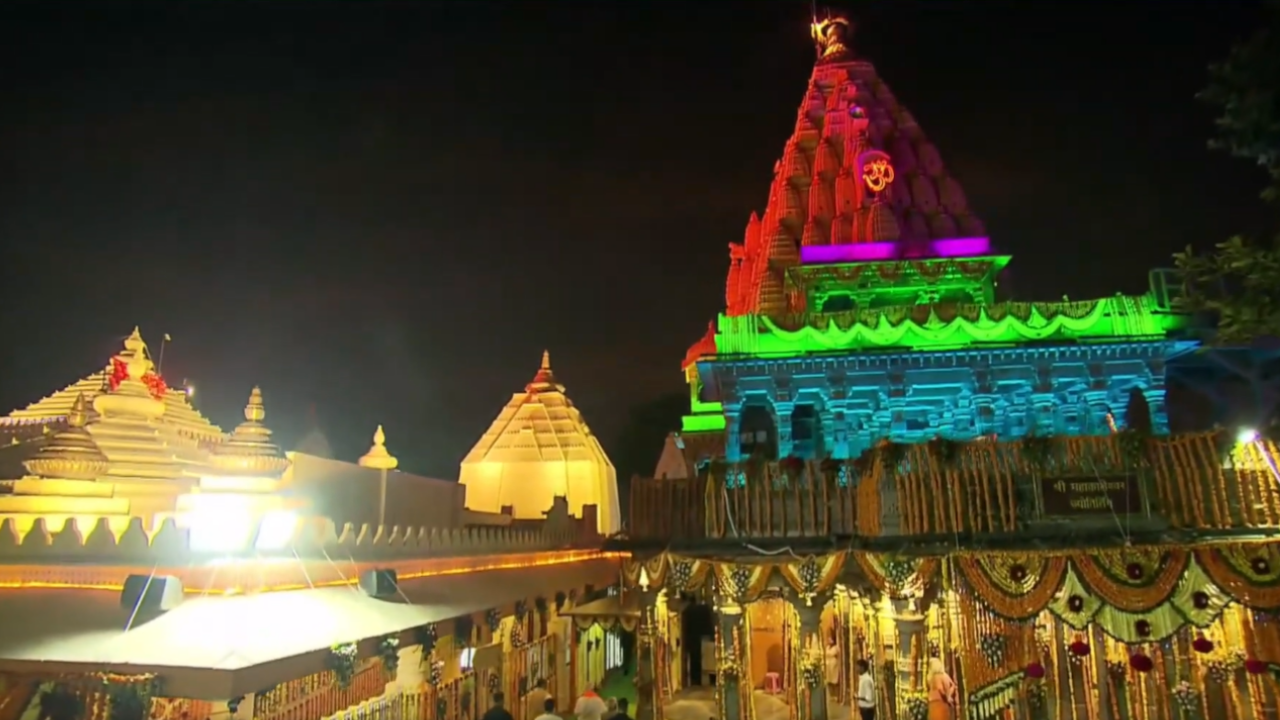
{"x":537,"y":449}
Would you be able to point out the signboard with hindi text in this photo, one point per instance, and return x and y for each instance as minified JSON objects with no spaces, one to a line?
{"x":1076,"y":496}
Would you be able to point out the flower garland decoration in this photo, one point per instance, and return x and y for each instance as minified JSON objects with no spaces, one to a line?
{"x":1037,"y":696}
{"x":60,"y":703}
{"x":898,"y":572}
{"x":1133,"y":447}
{"x":493,"y":619}
{"x":792,"y":468}
{"x":132,"y":700}
{"x":517,"y":635}
{"x":389,"y":652}
{"x":522,"y":609}
{"x":342,"y":661}
{"x":946,"y":452}
{"x":681,"y":575}
{"x":426,"y":636}
{"x":891,"y":454}
{"x":1037,"y":451}
{"x":992,"y":648}
{"x":120,"y":372}
{"x":917,"y":706}
{"x":811,"y":674}
{"x":436,"y":676}
{"x":1186,"y":696}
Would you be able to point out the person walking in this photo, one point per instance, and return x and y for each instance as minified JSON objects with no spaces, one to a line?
{"x":548,"y":710}
{"x":622,"y":710}
{"x":866,"y":696}
{"x":535,"y":699}
{"x":496,"y":711}
{"x":590,"y":706}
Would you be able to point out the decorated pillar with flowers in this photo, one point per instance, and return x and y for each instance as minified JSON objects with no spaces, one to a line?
{"x":729,"y":662}
{"x":812,"y":700}
{"x":735,"y":585}
{"x":648,"y":703}
{"x":811,"y":580}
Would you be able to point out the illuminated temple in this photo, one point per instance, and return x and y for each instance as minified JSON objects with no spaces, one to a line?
{"x":538,"y":447}
{"x":153,"y":565}
{"x":980,"y":497}
{"x":865,"y":304}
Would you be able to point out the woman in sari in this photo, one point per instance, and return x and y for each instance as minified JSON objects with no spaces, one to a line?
{"x":942,"y":691}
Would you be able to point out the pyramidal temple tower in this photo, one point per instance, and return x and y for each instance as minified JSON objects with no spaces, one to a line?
{"x":863,"y":304}
{"x":539,"y":448}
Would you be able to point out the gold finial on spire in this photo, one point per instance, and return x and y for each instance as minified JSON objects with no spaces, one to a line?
{"x":544,"y":380}
{"x":72,"y":453}
{"x":378,"y":458}
{"x":79,"y":415}
{"x":830,"y":37}
{"x":134,"y":342}
{"x":255,"y":411}
{"x":249,"y":450}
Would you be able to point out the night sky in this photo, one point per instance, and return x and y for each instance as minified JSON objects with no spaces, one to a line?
{"x":388,"y":210}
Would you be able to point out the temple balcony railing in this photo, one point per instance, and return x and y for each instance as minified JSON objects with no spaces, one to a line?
{"x":1121,"y":485}
{"x":279,"y":551}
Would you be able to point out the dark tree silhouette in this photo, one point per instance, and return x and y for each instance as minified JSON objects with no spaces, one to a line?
{"x":1137,"y":413}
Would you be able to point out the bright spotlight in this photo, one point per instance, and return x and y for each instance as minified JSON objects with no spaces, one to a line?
{"x":1246,"y":435}
{"x":276,"y":530}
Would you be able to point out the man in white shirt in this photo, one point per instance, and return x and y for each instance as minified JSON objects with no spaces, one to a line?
{"x":866,"y":697}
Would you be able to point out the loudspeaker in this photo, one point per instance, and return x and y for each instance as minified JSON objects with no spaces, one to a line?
{"x":379,"y":583}
{"x":151,"y":594}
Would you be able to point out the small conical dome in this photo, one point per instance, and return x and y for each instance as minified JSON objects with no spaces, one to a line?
{"x":378,"y":457}
{"x":249,"y":451}
{"x":71,"y":454}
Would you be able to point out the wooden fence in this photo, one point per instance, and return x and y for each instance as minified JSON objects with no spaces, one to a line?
{"x":1201,"y":481}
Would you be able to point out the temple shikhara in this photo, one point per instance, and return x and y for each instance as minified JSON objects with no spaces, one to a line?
{"x":153,"y":565}
{"x":538,"y":447}
{"x":887,"y":460}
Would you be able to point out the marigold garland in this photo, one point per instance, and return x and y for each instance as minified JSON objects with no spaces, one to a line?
{"x":1230,"y":569}
{"x":1136,"y":594}
{"x":992,"y":578}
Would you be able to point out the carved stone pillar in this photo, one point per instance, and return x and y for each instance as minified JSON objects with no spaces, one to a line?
{"x":732,"y":434}
{"x":782,"y":421}
{"x":812,"y":653}
{"x":647,"y":700}
{"x":728,"y":670}
{"x":835,"y":429}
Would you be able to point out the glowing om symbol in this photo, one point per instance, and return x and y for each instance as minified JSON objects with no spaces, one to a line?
{"x":877,"y":173}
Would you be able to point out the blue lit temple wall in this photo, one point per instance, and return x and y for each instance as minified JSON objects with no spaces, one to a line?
{"x":813,"y":407}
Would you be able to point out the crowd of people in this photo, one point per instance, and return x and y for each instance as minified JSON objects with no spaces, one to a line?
{"x":539,"y":705}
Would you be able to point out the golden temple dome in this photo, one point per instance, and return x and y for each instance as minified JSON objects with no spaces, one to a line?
{"x":70,"y":454}
{"x":540,"y":448}
{"x":378,"y":458}
{"x":249,"y":450}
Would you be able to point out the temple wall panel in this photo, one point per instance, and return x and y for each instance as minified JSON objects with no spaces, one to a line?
{"x":915,"y":397}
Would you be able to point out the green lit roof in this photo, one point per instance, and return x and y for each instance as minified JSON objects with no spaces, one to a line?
{"x":947,"y":326}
